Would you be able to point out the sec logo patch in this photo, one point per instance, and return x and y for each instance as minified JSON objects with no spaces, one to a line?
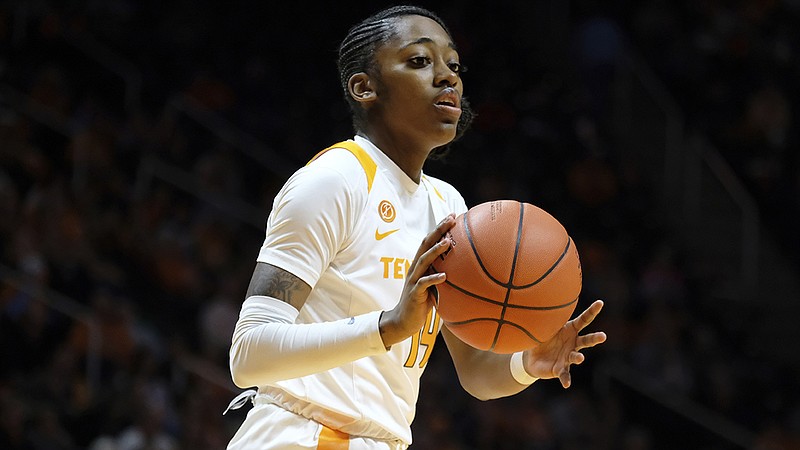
{"x":386,"y":211}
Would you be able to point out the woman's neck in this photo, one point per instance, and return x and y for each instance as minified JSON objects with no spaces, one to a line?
{"x":409,"y":156}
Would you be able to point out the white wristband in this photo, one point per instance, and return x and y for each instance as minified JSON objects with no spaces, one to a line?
{"x":518,"y":370}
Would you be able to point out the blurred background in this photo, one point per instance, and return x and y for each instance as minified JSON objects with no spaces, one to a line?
{"x":142,"y":142}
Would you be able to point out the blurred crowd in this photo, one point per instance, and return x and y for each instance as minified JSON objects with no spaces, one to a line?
{"x":156,"y":264}
{"x":733,"y":66}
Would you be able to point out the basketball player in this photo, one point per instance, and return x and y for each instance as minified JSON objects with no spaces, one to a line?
{"x":338,"y":322}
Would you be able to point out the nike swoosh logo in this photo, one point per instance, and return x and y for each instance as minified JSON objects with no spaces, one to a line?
{"x":379,"y":235}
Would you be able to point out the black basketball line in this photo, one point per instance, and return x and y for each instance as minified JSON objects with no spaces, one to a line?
{"x":510,"y":276}
{"x":510,"y":285}
{"x":500,"y":324}
{"x":499,"y":303}
{"x":478,"y":256}
{"x":552,"y":268}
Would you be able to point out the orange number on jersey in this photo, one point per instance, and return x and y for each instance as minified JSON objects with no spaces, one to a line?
{"x":427,"y":337}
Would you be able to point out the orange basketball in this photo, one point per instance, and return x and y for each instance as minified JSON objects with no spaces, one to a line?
{"x":513,"y":277}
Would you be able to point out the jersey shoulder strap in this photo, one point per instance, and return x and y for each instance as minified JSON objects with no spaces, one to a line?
{"x":366,"y":161}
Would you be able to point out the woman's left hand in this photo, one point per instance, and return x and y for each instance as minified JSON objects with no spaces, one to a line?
{"x":554,"y":357}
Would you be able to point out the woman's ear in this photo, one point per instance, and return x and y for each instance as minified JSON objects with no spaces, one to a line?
{"x":361,"y":88}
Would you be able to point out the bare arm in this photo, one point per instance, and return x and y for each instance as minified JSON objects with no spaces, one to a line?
{"x":484,"y":375}
{"x":487,"y":375}
{"x":277,"y":283}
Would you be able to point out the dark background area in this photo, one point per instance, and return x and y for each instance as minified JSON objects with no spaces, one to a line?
{"x":141,"y":144}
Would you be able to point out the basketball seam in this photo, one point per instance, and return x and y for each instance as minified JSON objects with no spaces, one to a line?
{"x":552,"y":268}
{"x":500,"y":322}
{"x":510,"y":285}
{"x":477,"y":255}
{"x":512,"y":306}
{"x":510,"y":276}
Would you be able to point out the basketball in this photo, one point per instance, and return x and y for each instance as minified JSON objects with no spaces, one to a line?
{"x":513,"y":277}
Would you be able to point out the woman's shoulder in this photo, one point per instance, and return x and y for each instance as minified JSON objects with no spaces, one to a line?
{"x":345,"y":163}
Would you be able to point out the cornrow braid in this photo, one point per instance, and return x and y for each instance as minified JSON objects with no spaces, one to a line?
{"x":358,"y":48}
{"x":357,"y":54}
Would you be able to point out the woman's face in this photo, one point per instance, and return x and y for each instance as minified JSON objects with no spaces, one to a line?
{"x":418,"y":86}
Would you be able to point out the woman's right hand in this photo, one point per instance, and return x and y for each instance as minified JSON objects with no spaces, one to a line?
{"x":409,"y":316}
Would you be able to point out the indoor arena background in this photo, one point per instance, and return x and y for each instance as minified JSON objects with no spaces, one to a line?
{"x":141,"y":143}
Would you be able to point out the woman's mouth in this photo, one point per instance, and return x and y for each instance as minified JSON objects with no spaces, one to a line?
{"x":449,"y":103}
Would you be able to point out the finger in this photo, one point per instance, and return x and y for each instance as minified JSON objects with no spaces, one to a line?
{"x":565,"y":378}
{"x":590,"y":340}
{"x":423,"y":262}
{"x":431,"y":280}
{"x":576,"y":358}
{"x":434,"y":236}
{"x":587,"y":316}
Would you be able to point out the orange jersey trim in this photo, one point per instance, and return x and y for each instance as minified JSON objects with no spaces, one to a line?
{"x":361,"y":155}
{"x":438,"y":194}
{"x":330,"y":439}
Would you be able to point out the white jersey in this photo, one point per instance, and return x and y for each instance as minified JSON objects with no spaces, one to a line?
{"x":349,"y":224}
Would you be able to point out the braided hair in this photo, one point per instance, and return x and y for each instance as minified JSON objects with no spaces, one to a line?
{"x":357,"y":54}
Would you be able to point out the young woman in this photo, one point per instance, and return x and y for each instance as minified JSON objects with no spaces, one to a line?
{"x":338,"y":323}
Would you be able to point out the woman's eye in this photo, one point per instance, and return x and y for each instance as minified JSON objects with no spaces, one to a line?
{"x":457,"y":67}
{"x":420,"y":61}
